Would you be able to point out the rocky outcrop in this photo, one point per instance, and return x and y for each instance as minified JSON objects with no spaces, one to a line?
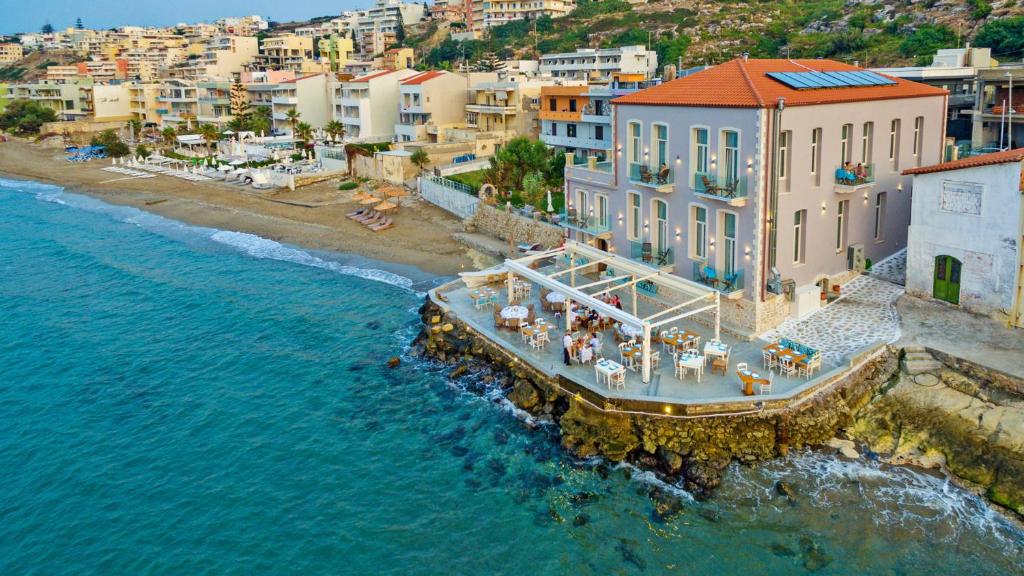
{"x":972,"y":426}
{"x":690,"y":451}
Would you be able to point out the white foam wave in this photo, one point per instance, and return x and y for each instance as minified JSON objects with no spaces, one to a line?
{"x":259,"y":247}
{"x":649,"y":477}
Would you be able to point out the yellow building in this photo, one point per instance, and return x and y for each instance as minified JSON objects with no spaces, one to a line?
{"x":399,"y":59}
{"x":10,"y":52}
{"x":335,"y":52}
{"x":142,"y":102}
{"x":288,"y":52}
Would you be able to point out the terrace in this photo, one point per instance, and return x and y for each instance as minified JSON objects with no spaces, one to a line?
{"x":852,"y":179}
{"x":653,"y":304}
{"x":660,"y":179}
{"x":731,"y":191}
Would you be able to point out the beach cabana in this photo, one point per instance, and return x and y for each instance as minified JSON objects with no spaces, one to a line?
{"x":583,"y":274}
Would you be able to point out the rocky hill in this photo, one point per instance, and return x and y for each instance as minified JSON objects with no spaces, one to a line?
{"x":873,"y":32}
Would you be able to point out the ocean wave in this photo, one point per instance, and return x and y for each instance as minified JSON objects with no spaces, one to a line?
{"x":259,"y":247}
{"x":249,"y":244}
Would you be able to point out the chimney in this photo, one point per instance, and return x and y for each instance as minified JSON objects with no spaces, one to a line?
{"x":856,"y":63}
{"x":746,"y":56}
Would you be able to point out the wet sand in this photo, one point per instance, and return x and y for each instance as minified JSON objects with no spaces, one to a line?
{"x":311,"y":217}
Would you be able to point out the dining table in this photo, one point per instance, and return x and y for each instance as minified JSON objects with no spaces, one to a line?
{"x":783,"y":353}
{"x":555,"y":297}
{"x":514,"y":311}
{"x":749,"y":378}
{"x":630,"y":331}
{"x":691,"y":361}
{"x":605,"y":369}
{"x":713,"y":348}
{"x":679,"y":339}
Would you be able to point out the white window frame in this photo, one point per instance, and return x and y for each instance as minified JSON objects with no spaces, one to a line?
{"x":881,"y":199}
{"x":816,"y":156}
{"x":601,"y":212}
{"x":634,"y":216}
{"x":658,"y":225}
{"x":698,"y":232}
{"x":785,"y":140}
{"x":842,"y":216}
{"x":867,"y":142}
{"x":799,"y":236}
{"x":655,"y":145}
{"x":724,"y":153}
{"x":894,"y":142}
{"x":728,"y":245}
{"x":845,"y":151}
{"x":633,"y":151}
{"x":918,"y":125}
{"x":700,"y":154}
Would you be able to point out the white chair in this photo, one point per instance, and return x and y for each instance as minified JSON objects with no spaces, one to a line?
{"x":618,"y":379}
{"x":673,"y":330}
{"x":655,"y":359}
{"x":741,"y":366}
{"x":766,"y":387}
{"x":768,"y":360}
{"x":664,"y":335}
{"x":622,"y":353}
{"x":787,"y":367}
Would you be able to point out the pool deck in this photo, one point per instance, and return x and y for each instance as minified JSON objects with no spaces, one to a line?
{"x":715,"y":392}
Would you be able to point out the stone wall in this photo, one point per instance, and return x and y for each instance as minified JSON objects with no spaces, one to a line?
{"x":498,"y":223}
{"x":772,"y":312}
{"x":694,"y":450}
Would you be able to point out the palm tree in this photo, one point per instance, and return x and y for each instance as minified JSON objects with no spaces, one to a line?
{"x":335,"y":129}
{"x":303,"y":132}
{"x":420,"y":159}
{"x":210,"y":134}
{"x":293,"y":118}
{"x":169,"y":135}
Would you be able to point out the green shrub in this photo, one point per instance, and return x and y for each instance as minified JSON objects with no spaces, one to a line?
{"x":348,"y":186}
{"x":112,"y":142}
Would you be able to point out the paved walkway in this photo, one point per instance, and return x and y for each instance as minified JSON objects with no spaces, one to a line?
{"x":892,"y":269}
{"x":864,"y":315}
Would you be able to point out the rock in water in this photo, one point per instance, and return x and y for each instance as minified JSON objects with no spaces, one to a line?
{"x":630,"y":555}
{"x":782,"y":488}
{"x":458,"y":371}
{"x":666,"y":506}
{"x":394,"y":362}
{"x":845,"y":447}
{"x":580,"y":520}
{"x":524,"y":395}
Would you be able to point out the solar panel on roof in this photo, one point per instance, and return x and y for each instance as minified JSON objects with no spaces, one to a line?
{"x":836,"y":79}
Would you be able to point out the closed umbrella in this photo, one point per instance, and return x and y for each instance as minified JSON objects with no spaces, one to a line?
{"x":370,"y":200}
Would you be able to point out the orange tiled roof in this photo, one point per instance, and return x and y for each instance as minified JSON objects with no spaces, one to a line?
{"x":422,"y":77}
{"x":1004,"y":157}
{"x":372,"y":76}
{"x":294,"y":80}
{"x":744,"y":84}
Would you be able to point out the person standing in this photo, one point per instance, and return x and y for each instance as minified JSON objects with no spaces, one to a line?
{"x":567,"y":349}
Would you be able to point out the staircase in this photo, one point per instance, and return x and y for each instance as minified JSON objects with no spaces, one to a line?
{"x":917,"y":360}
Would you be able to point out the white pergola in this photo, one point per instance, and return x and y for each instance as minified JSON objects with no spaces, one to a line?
{"x":695,"y":298}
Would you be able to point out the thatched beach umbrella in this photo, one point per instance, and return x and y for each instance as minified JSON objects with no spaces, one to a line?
{"x":386,"y":206}
{"x":370,"y":200}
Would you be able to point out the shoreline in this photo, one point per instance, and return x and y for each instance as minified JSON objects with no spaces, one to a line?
{"x":311,"y":217}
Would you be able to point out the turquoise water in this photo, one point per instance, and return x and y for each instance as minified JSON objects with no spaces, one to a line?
{"x":180,"y":400}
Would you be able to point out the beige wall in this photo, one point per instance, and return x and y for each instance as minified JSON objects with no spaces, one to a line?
{"x":110,"y":102}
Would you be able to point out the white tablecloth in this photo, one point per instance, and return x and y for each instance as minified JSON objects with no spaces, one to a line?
{"x":509,"y":312}
{"x":555,"y":297}
{"x":606,"y":368}
{"x":691,"y":360}
{"x":630,"y":331}
{"x":712,"y":349}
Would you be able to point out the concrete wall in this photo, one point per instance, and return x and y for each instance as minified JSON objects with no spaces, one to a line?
{"x":977,"y":220}
{"x":455,"y":201}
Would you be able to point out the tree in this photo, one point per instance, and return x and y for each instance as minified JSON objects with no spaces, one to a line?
{"x":210,"y":134}
{"x":925,"y":41}
{"x":293,"y":118}
{"x":519,"y":157}
{"x":259,"y":121}
{"x":303,"y":132}
{"x":135,"y":126}
{"x":25,"y":116}
{"x":141,"y":150}
{"x":335,"y":129}
{"x":1004,"y":36}
{"x":78,"y":24}
{"x":47,"y":28}
{"x":420,"y":159}
{"x":170,"y":135}
{"x":400,"y":30}
{"x":112,"y":142}
{"x":239,"y":101}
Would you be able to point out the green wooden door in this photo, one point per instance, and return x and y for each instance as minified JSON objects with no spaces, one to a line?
{"x":947,"y":279}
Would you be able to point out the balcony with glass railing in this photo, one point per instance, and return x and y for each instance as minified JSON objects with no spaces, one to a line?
{"x":661,"y":179}
{"x":590,"y":170}
{"x":730,"y":284}
{"x":850,"y":179}
{"x":646,"y":253}
{"x":588,"y":224}
{"x":732,"y":191}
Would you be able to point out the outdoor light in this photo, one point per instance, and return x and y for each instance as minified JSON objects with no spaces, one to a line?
{"x":823,"y":208}
{"x":679,"y":160}
{"x":711,"y":242}
{"x":668,"y":409}
{"x":900,"y":186}
{"x":746,"y":251}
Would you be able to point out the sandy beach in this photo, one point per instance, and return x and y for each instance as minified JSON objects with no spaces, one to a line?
{"x":311,"y":217}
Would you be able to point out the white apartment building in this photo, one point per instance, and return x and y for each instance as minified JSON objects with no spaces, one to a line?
{"x":428,"y":101}
{"x":598,"y":65}
{"x":308,"y":95}
{"x":378,"y":26}
{"x":368,"y":106}
{"x":497,"y":12}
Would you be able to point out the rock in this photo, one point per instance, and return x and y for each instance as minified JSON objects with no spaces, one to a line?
{"x":394,"y":361}
{"x":666,"y":506}
{"x":524,"y":395}
{"x":782,"y":488}
{"x":780,"y":549}
{"x":462,"y":369}
{"x":926,"y":379}
{"x":580,"y":520}
{"x":671,"y":461}
{"x":630,"y":555}
{"x":709,"y":514}
{"x":845,"y":447}
{"x":702,"y":477}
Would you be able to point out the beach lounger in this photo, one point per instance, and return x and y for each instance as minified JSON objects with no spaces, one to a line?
{"x":384,"y":225}
{"x":375,"y":220}
{"x":360,"y":212}
{"x":371,"y":215}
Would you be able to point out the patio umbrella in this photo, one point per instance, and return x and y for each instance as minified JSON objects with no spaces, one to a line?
{"x":370,"y":200}
{"x":386,"y":206}
{"x":359,"y":196}
{"x":551,"y":207}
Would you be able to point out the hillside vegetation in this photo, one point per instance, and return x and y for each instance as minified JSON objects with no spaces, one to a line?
{"x":897,"y":32}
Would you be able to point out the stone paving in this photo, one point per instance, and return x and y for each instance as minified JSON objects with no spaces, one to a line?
{"x":892,"y":269}
{"x":864,"y":315}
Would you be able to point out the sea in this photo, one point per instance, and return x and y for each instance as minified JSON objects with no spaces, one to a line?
{"x":184,"y":400}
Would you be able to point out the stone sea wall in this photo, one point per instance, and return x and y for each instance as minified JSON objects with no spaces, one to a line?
{"x":499,"y":223}
{"x":691,"y":450}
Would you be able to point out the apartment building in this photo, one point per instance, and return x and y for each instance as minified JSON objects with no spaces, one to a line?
{"x":288,"y":52}
{"x":309,"y":95}
{"x":506,"y":108}
{"x":142,"y":102}
{"x":260,"y":85}
{"x":220,"y":57}
{"x":70,"y":100}
{"x":178,"y":102}
{"x":497,"y":12}
{"x":769,"y":180}
{"x":998,"y":115}
{"x":10,"y":52}
{"x":578,"y":119}
{"x":214,"y":102}
{"x":428,"y":101}
{"x":368,"y":105}
{"x":242,"y":25}
{"x":335,"y":52}
{"x":110,"y":102}
{"x":376,"y":29}
{"x":101,"y":71}
{"x":966,"y":234}
{"x":600,"y":65}
{"x":398,"y":58}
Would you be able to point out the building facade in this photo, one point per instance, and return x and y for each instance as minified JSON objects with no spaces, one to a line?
{"x":966,"y":233}
{"x":427,"y":102}
{"x":10,"y":52}
{"x":368,"y":106}
{"x":599,"y":65}
{"x":310,"y":96}
{"x":703,"y":165}
{"x":498,"y":12}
